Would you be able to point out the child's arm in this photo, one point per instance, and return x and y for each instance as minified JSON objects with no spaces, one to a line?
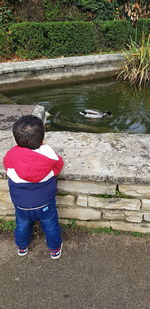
{"x":56,"y":160}
{"x":6,"y":161}
{"x":58,"y":165}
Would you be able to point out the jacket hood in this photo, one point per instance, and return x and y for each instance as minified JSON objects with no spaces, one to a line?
{"x":33,"y":165}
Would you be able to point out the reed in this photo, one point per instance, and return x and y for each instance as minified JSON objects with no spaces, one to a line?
{"x":136,"y":68}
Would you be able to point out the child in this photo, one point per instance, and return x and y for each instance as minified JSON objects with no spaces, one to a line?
{"x":32,"y":168}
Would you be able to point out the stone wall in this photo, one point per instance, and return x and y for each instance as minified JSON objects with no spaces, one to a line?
{"x":105,"y":181}
{"x":95,"y":205}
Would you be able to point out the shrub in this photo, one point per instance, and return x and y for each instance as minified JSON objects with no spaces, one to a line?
{"x":143,"y":26}
{"x":5,"y":42}
{"x":53,"y":39}
{"x":117,"y":34}
{"x":28,"y":39}
{"x":114,"y":34}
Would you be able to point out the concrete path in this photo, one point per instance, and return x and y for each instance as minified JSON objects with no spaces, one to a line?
{"x":95,"y":272}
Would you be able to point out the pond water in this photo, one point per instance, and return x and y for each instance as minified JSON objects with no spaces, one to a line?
{"x":130,"y":107}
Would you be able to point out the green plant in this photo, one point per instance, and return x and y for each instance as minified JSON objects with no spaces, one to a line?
{"x":6,"y":15}
{"x":7,"y":226}
{"x":73,"y":224}
{"x":137,"y":65}
{"x":99,"y":10}
{"x":64,"y":10}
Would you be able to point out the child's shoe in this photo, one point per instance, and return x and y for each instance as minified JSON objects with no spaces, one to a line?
{"x":56,"y":254}
{"x":22,"y":252}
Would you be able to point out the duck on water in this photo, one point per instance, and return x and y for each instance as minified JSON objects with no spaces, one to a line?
{"x":94,"y":113}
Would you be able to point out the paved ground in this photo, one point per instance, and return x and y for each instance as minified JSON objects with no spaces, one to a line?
{"x":95,"y":272}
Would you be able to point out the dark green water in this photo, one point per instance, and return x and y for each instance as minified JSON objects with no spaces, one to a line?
{"x":130,"y":107}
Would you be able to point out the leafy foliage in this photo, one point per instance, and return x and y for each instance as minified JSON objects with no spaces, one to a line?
{"x":81,"y":9}
{"x":114,"y":34}
{"x":5,"y":42}
{"x":101,"y":10}
{"x":6,"y":15}
{"x":36,"y":40}
{"x":64,"y":10}
{"x":31,"y":40}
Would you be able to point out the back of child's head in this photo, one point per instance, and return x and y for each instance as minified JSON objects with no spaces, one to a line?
{"x":28,"y":132}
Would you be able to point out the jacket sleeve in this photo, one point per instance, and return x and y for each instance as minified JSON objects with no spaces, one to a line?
{"x":6,"y":162}
{"x":58,"y":165}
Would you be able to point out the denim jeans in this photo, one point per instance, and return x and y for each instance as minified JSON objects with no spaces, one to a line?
{"x":48,"y":217}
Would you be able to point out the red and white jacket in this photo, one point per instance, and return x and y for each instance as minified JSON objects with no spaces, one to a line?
{"x":32,"y":175}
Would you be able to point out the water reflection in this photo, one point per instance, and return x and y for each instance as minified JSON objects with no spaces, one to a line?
{"x":130,"y":107}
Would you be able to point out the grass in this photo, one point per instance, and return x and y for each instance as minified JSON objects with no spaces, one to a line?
{"x":136,"y":69}
{"x":73,"y":225}
{"x":9,"y":226}
{"x":117,"y":194}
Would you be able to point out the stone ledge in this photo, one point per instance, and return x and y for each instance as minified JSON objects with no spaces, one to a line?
{"x":59,"y":70}
{"x":62,"y":62}
{"x":98,"y":158}
{"x":85,"y":187}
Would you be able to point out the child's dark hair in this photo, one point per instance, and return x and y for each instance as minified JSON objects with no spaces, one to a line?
{"x":29,"y":132}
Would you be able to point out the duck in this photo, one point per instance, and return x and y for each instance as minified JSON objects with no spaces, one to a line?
{"x":94,"y":113}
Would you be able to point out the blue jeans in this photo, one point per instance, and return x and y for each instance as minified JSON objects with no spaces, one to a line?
{"x":48,"y":217}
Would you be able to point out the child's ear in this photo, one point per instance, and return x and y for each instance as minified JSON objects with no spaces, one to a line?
{"x":43,"y":143}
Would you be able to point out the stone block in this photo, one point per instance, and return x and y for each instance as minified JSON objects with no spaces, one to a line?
{"x":4,"y":185}
{"x":135,"y":190}
{"x":7,"y":211}
{"x":146,"y":204}
{"x":86,"y":187}
{"x":82,"y":200}
{"x":133,"y":216}
{"x":114,"y":203}
{"x":131,"y":227}
{"x":67,"y":200}
{"x":5,"y":199}
{"x":147,"y":216}
{"x":8,"y":218}
{"x":97,"y":202}
{"x":113,"y":215}
{"x":79,"y":213}
{"x":6,"y":205}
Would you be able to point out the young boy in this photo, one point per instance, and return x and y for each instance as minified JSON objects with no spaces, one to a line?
{"x":32,"y":168}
